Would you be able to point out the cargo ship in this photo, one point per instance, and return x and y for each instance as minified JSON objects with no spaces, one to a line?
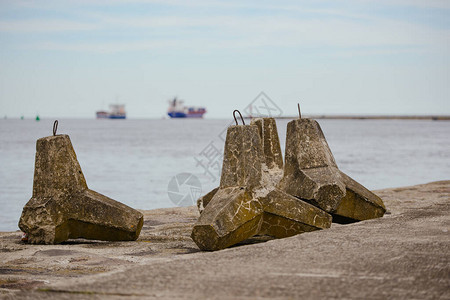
{"x":178,"y":110}
{"x":116,"y":111}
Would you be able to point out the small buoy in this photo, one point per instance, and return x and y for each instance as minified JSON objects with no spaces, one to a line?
{"x":37,"y":118}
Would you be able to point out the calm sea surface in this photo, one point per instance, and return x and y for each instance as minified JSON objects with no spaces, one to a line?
{"x":133,"y":161}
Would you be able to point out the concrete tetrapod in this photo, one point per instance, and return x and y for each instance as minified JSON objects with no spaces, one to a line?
{"x":233,"y":214}
{"x":247,"y":201}
{"x":286,"y":215}
{"x":358,"y":203}
{"x":272,"y":156}
{"x":310,"y":171}
{"x":63,"y":207}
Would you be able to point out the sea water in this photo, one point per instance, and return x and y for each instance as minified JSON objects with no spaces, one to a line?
{"x":139,"y":162}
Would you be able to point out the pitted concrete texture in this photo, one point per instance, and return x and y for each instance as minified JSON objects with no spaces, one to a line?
{"x":62,"y":207}
{"x":403,"y":255}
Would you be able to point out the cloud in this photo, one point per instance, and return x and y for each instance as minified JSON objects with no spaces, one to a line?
{"x":45,"y":25}
{"x":235,"y":32}
{"x":290,"y":25}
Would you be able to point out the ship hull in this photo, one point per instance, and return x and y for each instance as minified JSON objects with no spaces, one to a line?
{"x":183,"y":115}
{"x":173,"y":114}
{"x":116,"y":117}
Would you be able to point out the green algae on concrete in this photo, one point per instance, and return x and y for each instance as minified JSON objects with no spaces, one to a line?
{"x":63,"y":207}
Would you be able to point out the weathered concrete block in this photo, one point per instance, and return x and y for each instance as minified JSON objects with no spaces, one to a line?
{"x":358,"y":203}
{"x":285,"y":215}
{"x":205,"y":199}
{"x":252,"y":200}
{"x":271,"y":156}
{"x":248,"y":202}
{"x":310,"y":171}
{"x":233,"y":215}
{"x":267,"y":128}
{"x":242,"y":157}
{"x":62,"y":207}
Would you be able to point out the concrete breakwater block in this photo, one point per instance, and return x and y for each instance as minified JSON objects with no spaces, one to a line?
{"x":259,"y":196}
{"x":358,"y":203}
{"x":267,"y":128}
{"x":247,"y":201}
{"x":310,"y":171}
{"x":242,"y":157}
{"x":271,"y":155}
{"x":232,"y":216}
{"x":63,"y":207}
{"x":204,"y":200}
{"x":286,"y":215}
{"x":232,"y":213}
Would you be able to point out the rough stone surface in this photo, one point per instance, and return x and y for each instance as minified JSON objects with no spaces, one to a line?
{"x":310,"y":171}
{"x":358,"y":203}
{"x":271,"y":159}
{"x":242,"y":157}
{"x":205,"y":199}
{"x":403,"y":255}
{"x":268,"y":133}
{"x":232,"y":216}
{"x":285,"y":215}
{"x":62,"y":207}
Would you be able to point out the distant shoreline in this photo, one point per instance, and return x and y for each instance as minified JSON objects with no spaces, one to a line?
{"x":331,"y":117}
{"x":362,"y":117}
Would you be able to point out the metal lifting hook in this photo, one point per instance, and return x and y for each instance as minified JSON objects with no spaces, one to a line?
{"x":234,"y":115}
{"x":55,"y":127}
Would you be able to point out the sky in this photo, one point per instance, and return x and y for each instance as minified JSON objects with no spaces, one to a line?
{"x":67,"y":59}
